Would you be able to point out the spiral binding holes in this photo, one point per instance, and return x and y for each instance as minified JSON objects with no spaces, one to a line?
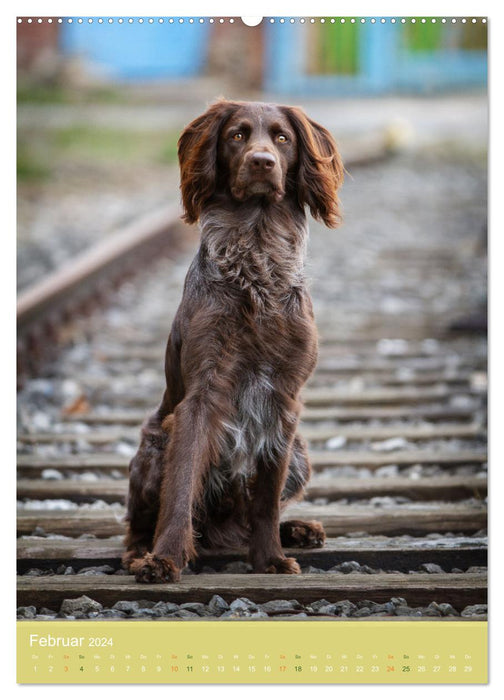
{"x":247,"y":20}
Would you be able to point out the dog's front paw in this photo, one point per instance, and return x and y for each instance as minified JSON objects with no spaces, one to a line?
{"x":152,"y":568}
{"x":298,"y":533}
{"x":283,"y":565}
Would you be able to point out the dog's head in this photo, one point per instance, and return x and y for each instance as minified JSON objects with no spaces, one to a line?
{"x":254,"y":149}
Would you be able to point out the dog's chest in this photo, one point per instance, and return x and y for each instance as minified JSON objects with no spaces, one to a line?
{"x":253,"y":431}
{"x":265,"y":260}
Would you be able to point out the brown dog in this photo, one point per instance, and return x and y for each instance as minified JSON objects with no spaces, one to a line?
{"x":220,"y":457}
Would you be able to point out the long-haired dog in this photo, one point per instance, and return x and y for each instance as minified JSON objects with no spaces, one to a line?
{"x":221,"y":457}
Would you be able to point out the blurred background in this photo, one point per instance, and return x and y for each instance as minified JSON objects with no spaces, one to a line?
{"x":399,"y":290}
{"x":102,"y":104}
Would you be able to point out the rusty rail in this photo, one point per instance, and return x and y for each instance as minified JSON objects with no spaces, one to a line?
{"x":44,"y":309}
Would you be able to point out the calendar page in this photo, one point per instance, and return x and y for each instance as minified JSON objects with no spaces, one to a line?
{"x":252,"y":350}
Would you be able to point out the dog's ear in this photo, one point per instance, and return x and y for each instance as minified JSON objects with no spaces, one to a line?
{"x":197,"y":152}
{"x":320,"y":169}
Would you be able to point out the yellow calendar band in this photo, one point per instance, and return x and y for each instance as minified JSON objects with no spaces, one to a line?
{"x":268,"y":651}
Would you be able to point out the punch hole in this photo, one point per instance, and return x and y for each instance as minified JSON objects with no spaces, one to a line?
{"x":252,"y":21}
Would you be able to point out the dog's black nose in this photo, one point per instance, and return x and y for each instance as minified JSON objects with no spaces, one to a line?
{"x":261,"y":161}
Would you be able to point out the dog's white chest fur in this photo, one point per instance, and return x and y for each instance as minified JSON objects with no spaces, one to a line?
{"x":254,"y":430}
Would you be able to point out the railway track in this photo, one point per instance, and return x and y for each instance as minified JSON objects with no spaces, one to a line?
{"x":396,"y":429}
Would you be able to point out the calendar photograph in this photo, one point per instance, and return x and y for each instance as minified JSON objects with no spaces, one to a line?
{"x":252,"y":350}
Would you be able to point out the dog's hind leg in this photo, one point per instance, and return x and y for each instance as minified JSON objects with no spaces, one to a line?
{"x":299,"y":533}
{"x":144,"y":486}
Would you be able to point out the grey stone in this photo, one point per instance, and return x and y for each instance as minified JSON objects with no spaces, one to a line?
{"x":470,"y":610}
{"x":110,"y":614}
{"x":217,"y":605}
{"x":447,"y":609}
{"x":47,"y":611}
{"x":398,"y":601}
{"x":347,"y":567}
{"x":386,"y":608}
{"x":39,"y":532}
{"x":79,"y":606}
{"x":198,"y":608}
{"x":367,"y":570}
{"x":26,"y":612}
{"x":145,"y":613}
{"x":66,"y":570}
{"x":237,"y":567}
{"x":94,"y":570}
{"x":327,"y":609}
{"x":232,"y":615}
{"x":126,"y":606}
{"x":431,"y":568}
{"x":186,"y":614}
{"x":343,"y":608}
{"x":243,"y":604}
{"x":165,"y":608}
{"x":280,"y":606}
{"x":402,"y":610}
{"x":362,"y":612}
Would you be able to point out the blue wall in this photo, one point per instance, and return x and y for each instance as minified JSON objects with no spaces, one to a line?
{"x":138,"y":51}
{"x":385,"y":64}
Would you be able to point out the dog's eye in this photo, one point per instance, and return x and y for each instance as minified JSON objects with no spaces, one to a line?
{"x":282,"y":138}
{"x":238,"y":136}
